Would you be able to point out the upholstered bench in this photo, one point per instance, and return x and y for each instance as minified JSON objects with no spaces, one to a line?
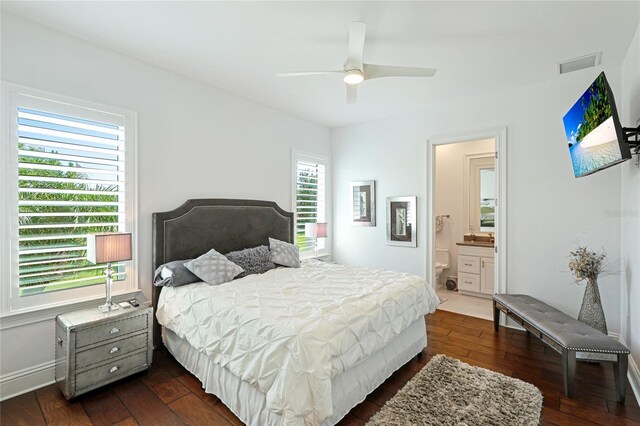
{"x":564,"y":334}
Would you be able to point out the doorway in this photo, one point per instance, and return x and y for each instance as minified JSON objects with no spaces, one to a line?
{"x":466,"y":219}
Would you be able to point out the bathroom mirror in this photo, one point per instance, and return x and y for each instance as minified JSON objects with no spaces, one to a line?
{"x":487,"y":199}
{"x":479,"y":193}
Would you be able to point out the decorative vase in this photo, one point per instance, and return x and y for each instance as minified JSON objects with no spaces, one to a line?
{"x":591,"y":312}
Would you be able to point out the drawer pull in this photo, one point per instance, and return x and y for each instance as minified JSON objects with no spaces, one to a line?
{"x":468,"y":282}
{"x":114,"y":369}
{"x":468,"y":264}
{"x":114,"y":350}
{"x":114,"y":330}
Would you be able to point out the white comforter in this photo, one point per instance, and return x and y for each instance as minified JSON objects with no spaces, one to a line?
{"x":289,"y":331}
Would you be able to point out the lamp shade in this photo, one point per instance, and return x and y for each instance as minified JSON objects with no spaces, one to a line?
{"x":111,"y":247}
{"x":321,"y":230}
{"x":315,"y":230}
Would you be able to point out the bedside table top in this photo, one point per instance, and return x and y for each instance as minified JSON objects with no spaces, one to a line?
{"x":89,"y":315}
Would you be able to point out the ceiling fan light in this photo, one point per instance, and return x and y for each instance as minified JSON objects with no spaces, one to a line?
{"x":353,"y":77}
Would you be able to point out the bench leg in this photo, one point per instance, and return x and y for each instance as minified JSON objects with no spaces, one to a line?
{"x":496,"y":317}
{"x":568,"y":370}
{"x":620,"y":373}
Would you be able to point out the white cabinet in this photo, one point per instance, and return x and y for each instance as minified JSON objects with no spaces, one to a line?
{"x":487,"y":275}
{"x":476,"y":271}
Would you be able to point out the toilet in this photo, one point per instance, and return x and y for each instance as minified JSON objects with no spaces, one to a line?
{"x":442,"y":261}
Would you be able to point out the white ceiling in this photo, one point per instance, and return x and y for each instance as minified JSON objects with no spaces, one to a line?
{"x":478,"y":47}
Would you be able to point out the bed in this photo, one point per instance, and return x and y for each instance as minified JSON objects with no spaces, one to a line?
{"x":290,"y":346}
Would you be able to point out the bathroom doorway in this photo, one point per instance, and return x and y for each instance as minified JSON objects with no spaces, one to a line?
{"x":466,"y":217}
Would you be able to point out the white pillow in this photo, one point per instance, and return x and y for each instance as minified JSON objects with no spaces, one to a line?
{"x":213,"y":268}
{"x":283,"y":253}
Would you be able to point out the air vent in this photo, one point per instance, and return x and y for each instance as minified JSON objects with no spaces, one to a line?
{"x":580,"y":63}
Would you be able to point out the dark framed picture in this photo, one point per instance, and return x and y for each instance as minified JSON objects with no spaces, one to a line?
{"x":363,"y":203}
{"x":401,"y":221}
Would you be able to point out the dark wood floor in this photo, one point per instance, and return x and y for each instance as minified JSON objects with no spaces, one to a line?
{"x":167,"y":394}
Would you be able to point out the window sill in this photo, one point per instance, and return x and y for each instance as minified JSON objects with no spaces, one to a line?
{"x":35,"y":315}
{"x":321,"y":255}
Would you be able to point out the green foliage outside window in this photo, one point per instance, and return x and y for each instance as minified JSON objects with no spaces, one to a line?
{"x":55,"y":261}
{"x":306,"y":196}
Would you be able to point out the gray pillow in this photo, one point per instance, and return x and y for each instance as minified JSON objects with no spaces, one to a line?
{"x":213,"y":268}
{"x":256,"y":260}
{"x":283,"y":253}
{"x":174,"y":274}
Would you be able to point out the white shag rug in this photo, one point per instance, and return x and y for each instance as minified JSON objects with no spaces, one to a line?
{"x":449,"y":392}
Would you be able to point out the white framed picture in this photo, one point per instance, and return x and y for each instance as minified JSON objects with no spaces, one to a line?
{"x":363,"y":203}
{"x":402,"y":221}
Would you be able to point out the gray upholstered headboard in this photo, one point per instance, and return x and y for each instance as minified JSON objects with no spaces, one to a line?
{"x":226,"y":225}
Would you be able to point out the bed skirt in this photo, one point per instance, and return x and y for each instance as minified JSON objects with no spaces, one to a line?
{"x":349,"y":388}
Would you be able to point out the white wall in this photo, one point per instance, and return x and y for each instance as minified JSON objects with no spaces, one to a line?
{"x":629,"y":110}
{"x":391,"y":152}
{"x":193,"y":141}
{"x":449,"y":187}
{"x":547,"y":208}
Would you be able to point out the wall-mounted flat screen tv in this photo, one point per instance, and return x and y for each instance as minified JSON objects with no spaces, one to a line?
{"x":593,"y":130}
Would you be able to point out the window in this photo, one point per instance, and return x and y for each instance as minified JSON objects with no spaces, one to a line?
{"x":310,"y":200}
{"x":69,"y":175}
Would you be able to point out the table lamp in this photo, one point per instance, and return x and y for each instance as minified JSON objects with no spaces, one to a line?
{"x":108,"y":248}
{"x":315,"y":231}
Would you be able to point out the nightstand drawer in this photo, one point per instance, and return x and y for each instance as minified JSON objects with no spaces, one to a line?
{"x":469,"y":264}
{"x":111,"y":371}
{"x":110,"y":330}
{"x":111,"y":350}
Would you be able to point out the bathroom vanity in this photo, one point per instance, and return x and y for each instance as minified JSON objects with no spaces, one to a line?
{"x":476,"y":271}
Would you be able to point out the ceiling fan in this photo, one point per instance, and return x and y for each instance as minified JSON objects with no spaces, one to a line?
{"x":356,"y":71}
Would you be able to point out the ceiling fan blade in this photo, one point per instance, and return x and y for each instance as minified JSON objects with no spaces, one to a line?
{"x":306,"y":73}
{"x":352,"y":93}
{"x":357,"y":32}
{"x":380,"y":71}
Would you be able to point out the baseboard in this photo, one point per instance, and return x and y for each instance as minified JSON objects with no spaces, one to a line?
{"x":634,"y":376}
{"x":26,"y":380}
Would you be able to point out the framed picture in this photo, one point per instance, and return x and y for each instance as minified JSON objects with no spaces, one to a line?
{"x":401,"y":221}
{"x":363,"y":203}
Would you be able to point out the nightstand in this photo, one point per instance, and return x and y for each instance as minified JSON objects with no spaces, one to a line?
{"x":95,"y":348}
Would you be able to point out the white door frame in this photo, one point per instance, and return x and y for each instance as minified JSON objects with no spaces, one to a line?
{"x":500,"y":136}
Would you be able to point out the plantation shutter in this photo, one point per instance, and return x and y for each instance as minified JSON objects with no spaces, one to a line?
{"x":71,"y":182}
{"x":310,"y":201}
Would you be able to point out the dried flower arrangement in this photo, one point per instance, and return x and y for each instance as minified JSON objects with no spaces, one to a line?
{"x":587,"y":264}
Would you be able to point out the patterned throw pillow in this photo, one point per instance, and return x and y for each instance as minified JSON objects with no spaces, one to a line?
{"x":284,"y":254}
{"x":256,"y":260}
{"x":174,"y":274}
{"x":213,"y":268}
